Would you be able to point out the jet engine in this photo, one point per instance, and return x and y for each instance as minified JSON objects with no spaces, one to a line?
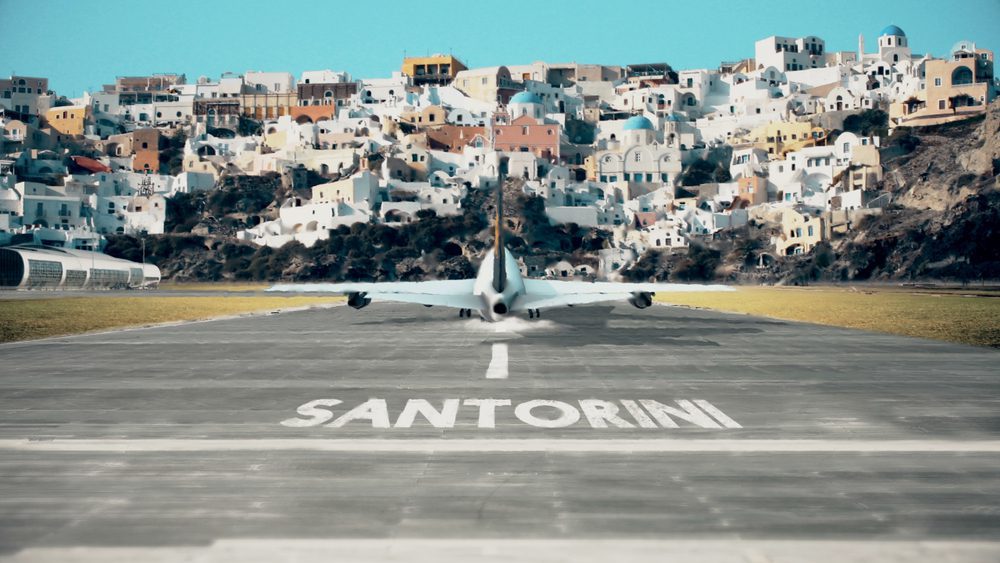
{"x":500,"y":308}
{"x":358,"y":299}
{"x":641,"y":299}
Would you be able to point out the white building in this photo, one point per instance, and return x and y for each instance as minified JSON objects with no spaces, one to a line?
{"x":788,"y":53}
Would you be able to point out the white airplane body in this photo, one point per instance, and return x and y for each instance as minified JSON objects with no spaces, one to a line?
{"x":498,"y":290}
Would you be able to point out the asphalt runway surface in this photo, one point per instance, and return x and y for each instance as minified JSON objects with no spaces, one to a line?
{"x":405,"y":433}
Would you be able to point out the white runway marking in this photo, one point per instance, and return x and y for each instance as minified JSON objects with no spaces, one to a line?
{"x":114,"y":445}
{"x":419,"y":550}
{"x":498,"y":363}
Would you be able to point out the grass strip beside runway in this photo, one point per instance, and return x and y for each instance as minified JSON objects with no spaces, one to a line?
{"x":28,"y":319}
{"x":950,"y":316}
{"x":214,"y":286}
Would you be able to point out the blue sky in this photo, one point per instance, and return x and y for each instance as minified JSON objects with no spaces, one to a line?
{"x":81,"y":44}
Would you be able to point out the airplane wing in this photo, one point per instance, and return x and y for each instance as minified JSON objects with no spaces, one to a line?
{"x":554,"y":293}
{"x":445,"y":293}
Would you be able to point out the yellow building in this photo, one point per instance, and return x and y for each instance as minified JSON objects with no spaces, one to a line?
{"x":68,"y":120}
{"x":865,"y":171}
{"x":799,"y":233}
{"x":435,"y":69}
{"x":955,"y":89}
{"x":782,"y":137}
{"x":491,"y":84}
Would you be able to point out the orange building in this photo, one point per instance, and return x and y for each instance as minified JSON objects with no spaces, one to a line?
{"x":753,"y":189}
{"x":146,"y":144}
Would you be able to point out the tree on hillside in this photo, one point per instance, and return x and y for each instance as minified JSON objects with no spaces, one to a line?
{"x":868,"y":122}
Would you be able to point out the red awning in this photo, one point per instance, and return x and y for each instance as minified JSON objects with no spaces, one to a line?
{"x":90,"y":164}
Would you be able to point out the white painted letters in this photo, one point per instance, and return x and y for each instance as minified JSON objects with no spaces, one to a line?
{"x":638,"y":414}
{"x":691,"y":413}
{"x":568,"y":417}
{"x":374,"y":410}
{"x":316,"y":415}
{"x":719,"y":415}
{"x":443,"y":419}
{"x":600,"y":413}
{"x":487,"y":410}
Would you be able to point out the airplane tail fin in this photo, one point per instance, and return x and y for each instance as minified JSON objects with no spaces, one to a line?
{"x":499,"y":258}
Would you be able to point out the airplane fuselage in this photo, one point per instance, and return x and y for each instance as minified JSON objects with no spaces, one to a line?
{"x":498,"y":303}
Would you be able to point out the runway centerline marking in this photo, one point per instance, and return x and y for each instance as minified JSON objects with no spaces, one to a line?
{"x":498,"y":362}
{"x":500,"y":445}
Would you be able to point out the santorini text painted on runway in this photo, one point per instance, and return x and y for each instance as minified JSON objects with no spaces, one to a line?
{"x":540,"y":413}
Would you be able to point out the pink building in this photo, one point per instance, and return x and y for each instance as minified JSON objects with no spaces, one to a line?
{"x":526,"y":134}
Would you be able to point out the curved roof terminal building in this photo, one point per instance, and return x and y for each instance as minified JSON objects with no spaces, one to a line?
{"x":43,"y":267}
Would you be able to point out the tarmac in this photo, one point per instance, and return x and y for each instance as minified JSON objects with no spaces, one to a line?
{"x":404,"y":433}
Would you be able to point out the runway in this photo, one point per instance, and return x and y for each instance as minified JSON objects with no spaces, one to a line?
{"x":406,"y":433}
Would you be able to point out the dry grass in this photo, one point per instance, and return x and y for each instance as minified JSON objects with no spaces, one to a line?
{"x":25,"y":319}
{"x":950,"y":316}
{"x":213,"y":286}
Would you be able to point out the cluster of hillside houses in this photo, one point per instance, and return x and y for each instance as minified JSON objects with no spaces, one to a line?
{"x":605,"y":146}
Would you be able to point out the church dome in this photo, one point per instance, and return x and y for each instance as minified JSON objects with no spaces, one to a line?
{"x":525,"y":98}
{"x":637,"y":122}
{"x":893,"y":31}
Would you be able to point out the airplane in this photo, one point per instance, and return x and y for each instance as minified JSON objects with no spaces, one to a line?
{"x":499,"y":289}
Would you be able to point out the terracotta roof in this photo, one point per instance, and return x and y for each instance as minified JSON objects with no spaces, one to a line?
{"x":90,"y":164}
{"x":645,"y":219}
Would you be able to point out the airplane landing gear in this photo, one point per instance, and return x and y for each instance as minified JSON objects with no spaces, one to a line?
{"x":534,"y":313}
{"x":465,"y":313}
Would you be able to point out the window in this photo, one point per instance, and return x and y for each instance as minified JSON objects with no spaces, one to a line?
{"x":108,"y":278}
{"x":940,"y":104}
{"x":42,"y":273}
{"x":937,"y":81}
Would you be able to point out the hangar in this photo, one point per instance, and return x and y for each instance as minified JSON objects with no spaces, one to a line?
{"x":42,"y":267}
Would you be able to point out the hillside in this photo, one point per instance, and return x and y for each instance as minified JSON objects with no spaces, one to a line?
{"x":944,"y":223}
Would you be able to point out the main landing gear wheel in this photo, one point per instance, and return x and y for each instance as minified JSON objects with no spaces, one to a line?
{"x":534,"y":313}
{"x":465,"y":313}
